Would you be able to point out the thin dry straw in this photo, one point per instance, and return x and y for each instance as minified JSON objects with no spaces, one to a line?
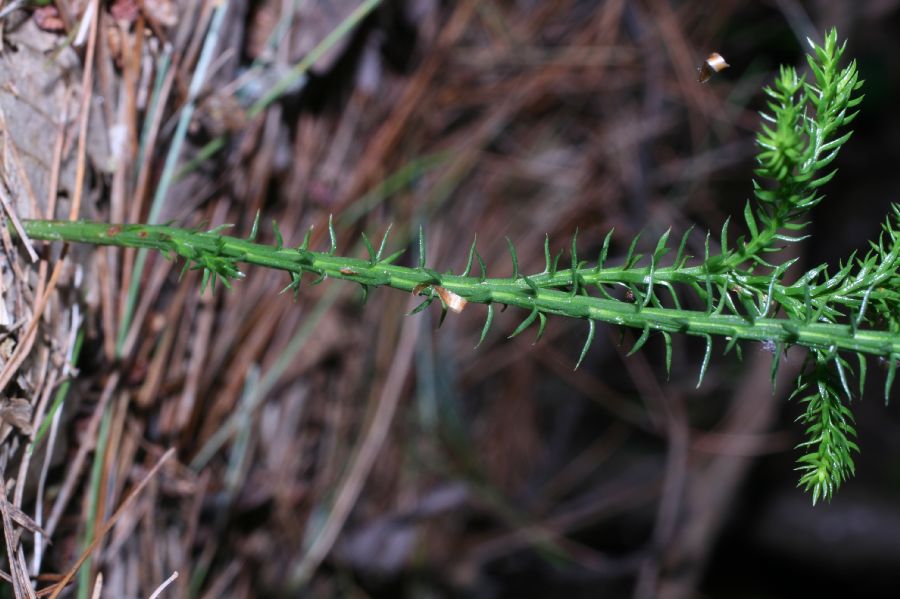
{"x":290,"y":79}
{"x":206,"y":57}
{"x":7,"y":206}
{"x":107,"y":526}
{"x":297,"y":73}
{"x":163,"y":586}
{"x":259,"y":393}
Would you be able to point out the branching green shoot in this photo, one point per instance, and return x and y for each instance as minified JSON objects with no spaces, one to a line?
{"x":740,"y":294}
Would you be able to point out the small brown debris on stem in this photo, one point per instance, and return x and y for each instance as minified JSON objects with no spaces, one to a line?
{"x":453,"y":301}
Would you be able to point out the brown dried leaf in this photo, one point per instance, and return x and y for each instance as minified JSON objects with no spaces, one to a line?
{"x":17,"y":412}
{"x":453,"y":301}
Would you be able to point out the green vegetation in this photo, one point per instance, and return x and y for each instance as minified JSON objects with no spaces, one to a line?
{"x":836,"y":314}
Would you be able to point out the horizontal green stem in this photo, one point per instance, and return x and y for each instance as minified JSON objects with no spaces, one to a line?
{"x":510,"y":291}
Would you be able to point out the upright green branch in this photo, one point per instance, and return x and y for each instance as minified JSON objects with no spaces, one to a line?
{"x":733,"y":294}
{"x":799,"y":138}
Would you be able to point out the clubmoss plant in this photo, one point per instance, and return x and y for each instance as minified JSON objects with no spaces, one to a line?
{"x":851,"y":312}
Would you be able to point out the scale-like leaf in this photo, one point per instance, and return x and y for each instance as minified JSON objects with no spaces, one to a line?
{"x":489,"y":319}
{"x":587,"y":342}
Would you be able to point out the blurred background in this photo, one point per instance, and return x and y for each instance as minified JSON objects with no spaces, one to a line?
{"x":333,"y":448}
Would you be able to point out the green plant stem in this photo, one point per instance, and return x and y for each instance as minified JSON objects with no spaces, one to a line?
{"x":510,"y":291}
{"x":94,"y":492}
{"x":853,"y":309}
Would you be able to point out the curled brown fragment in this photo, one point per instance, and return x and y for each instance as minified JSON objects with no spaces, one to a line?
{"x":453,"y":301}
{"x":17,"y":412}
{"x":713,"y":64}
